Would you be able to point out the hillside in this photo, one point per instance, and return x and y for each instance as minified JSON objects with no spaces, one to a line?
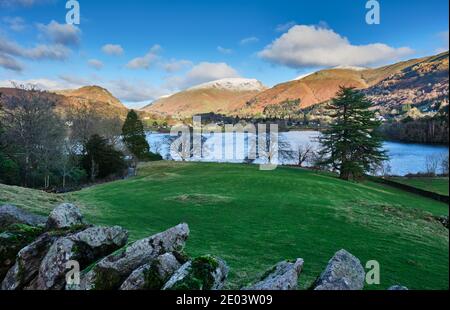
{"x":422,"y":82}
{"x":221,"y":97}
{"x":253,"y":219}
{"x":94,"y":94}
{"x":94,"y":98}
{"x":417,"y":81}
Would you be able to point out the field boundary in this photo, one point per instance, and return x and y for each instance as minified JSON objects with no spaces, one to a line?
{"x":414,"y":190}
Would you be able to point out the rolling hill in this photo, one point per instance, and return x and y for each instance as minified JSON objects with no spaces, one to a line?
{"x":94,"y":98}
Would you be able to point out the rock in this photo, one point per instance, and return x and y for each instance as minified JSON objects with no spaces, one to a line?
{"x":282,"y":277}
{"x":27,"y":263}
{"x":398,"y":288}
{"x":64,"y":216}
{"x":12,"y":241}
{"x":85,"y":247}
{"x":203,"y":273}
{"x":152,"y":276}
{"x":344,"y":272}
{"x":443,"y":220}
{"x":10,"y":215}
{"x":110,"y":272}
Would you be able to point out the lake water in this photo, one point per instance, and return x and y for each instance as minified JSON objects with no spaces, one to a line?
{"x":404,"y":158}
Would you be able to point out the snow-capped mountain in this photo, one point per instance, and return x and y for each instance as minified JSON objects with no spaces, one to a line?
{"x":232,"y":84}
{"x":221,"y":96}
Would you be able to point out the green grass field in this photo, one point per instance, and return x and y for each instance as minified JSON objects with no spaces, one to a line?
{"x":436,"y":185}
{"x":253,"y":219}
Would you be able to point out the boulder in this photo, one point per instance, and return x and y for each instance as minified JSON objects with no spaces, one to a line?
{"x":202,"y":273}
{"x":443,"y":220}
{"x":64,"y":216}
{"x":282,"y":277}
{"x":10,"y":215}
{"x":85,"y":247}
{"x":12,"y":241}
{"x":398,"y":288}
{"x":344,"y":272}
{"x":152,"y":276}
{"x":27,"y":263}
{"x":110,"y":272}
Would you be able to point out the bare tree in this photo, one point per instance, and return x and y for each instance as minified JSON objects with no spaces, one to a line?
{"x":85,"y":122}
{"x":34,"y":131}
{"x":444,"y":164}
{"x":432,"y":164}
{"x":305,"y":153}
{"x":383,"y":169}
{"x":182,"y":147}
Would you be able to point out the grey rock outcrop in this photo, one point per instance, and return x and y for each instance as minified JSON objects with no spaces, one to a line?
{"x":110,"y":272}
{"x":152,"y":276}
{"x":85,"y":247}
{"x":284,"y":276}
{"x":12,"y":241}
{"x":64,"y":216}
{"x":344,"y":272}
{"x":27,"y":263}
{"x":10,"y":215}
{"x":202,"y":273}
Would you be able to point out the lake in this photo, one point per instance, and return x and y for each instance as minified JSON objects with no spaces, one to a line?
{"x":404,"y":158}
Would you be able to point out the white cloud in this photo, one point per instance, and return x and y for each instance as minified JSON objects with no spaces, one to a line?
{"x":309,"y":46}
{"x":134,"y":91}
{"x":224,"y":50}
{"x":44,"y":84}
{"x":127,"y":91}
{"x":16,"y":24}
{"x":73,"y":81}
{"x":249,"y":40}
{"x":64,"y":34}
{"x":145,"y":61}
{"x":443,"y":37}
{"x":53,"y":52}
{"x":95,"y":63}
{"x":112,"y":49}
{"x":7,"y":62}
{"x":202,"y":73}
{"x":176,"y":65}
{"x":23,"y":3}
{"x":285,"y":27}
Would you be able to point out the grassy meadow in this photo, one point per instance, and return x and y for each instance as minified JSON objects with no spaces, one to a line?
{"x":254,"y":219}
{"x":437,"y":185}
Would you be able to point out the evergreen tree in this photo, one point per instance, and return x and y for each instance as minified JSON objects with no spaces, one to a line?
{"x":351,"y":145}
{"x":101,"y":159}
{"x":134,"y":136}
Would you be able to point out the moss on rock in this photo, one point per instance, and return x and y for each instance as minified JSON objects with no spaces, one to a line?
{"x":12,"y":241}
{"x":200,"y":275}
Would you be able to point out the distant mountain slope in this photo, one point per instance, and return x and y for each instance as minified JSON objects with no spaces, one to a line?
{"x":416,"y":81}
{"x":94,"y":98}
{"x":424,"y":83}
{"x":94,"y":94}
{"x":323,"y":85}
{"x":222,"y":96}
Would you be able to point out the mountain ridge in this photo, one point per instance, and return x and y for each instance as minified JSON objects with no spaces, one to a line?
{"x":411,"y":78}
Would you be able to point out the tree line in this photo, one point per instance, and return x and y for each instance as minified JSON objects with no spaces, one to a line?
{"x":43,"y":148}
{"x":433,"y":130}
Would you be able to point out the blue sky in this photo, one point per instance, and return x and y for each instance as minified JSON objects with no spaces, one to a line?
{"x":141,"y":50}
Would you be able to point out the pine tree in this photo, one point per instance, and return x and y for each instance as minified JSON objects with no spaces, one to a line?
{"x":101,"y":159}
{"x":134,"y":137}
{"x":351,"y":145}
